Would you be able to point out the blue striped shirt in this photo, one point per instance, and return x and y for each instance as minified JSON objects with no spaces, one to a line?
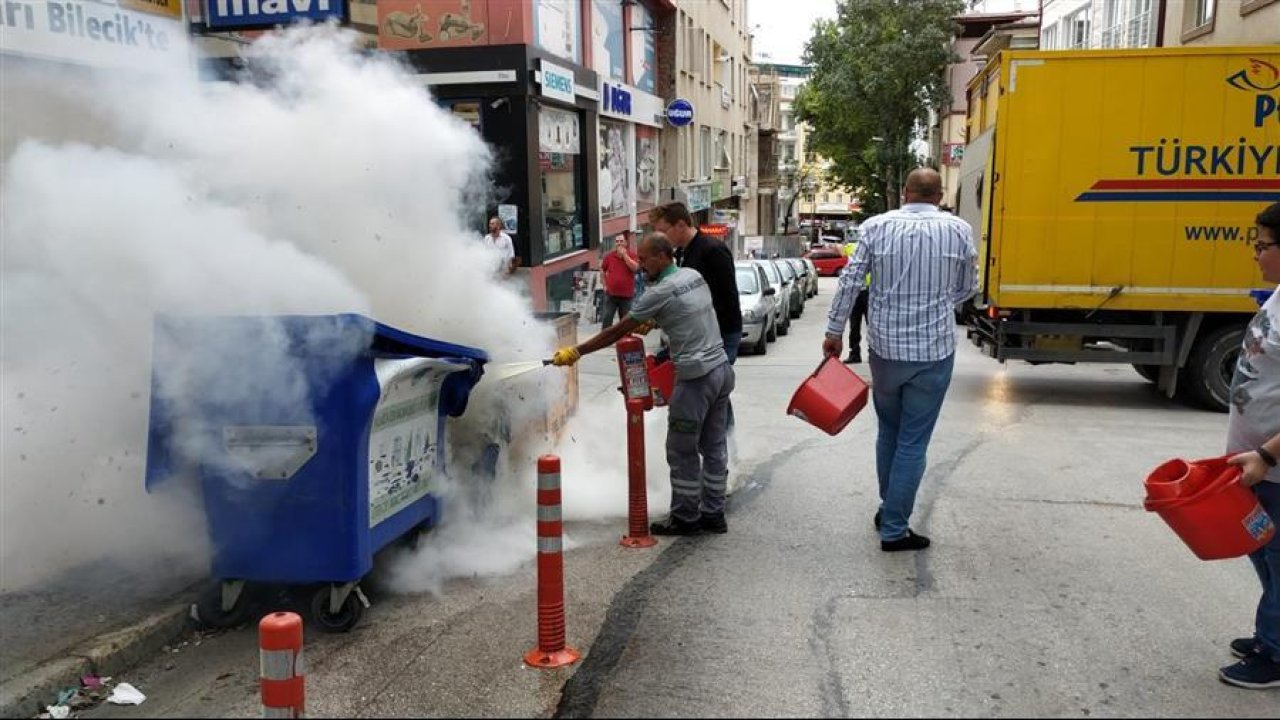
{"x":922,"y":263}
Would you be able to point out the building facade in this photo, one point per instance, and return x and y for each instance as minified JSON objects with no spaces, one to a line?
{"x":1222,"y":22}
{"x":1090,"y":24}
{"x":707,"y":161}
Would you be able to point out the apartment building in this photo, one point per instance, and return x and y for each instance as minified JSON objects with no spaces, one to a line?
{"x":1086,"y":24}
{"x":708,"y":160}
{"x":1221,"y":22}
{"x":977,"y":34}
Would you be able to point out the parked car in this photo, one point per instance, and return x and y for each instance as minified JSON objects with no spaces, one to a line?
{"x":783,"y":288}
{"x":828,"y":259}
{"x":796,"y":306}
{"x":813,"y":273}
{"x":758,"y":299}
{"x":809,"y":280}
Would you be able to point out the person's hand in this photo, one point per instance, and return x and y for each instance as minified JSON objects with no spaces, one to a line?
{"x":565,"y":356}
{"x":645,"y":327}
{"x":1253,"y":466}
{"x":831,"y":346}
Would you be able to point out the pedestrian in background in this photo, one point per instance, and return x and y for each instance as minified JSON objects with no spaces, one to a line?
{"x":1253,"y":436}
{"x":679,"y":301}
{"x":924,"y":263}
{"x":859,"y":313}
{"x":618,"y":269}
{"x":500,"y":242}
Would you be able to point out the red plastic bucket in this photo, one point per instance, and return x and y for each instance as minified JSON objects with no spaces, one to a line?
{"x":662,"y":379}
{"x":830,"y":397}
{"x":1205,"y":504}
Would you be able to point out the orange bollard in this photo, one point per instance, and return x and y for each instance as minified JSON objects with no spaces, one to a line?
{"x":638,"y":492}
{"x":281,"y":674}
{"x":551,"y":651}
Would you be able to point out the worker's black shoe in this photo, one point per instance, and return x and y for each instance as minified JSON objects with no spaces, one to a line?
{"x":911,"y":541}
{"x":854,"y":358}
{"x":1245,"y":647}
{"x":676,"y":526}
{"x":714,"y":523}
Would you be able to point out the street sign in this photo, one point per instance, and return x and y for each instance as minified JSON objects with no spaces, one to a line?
{"x":680,"y":112}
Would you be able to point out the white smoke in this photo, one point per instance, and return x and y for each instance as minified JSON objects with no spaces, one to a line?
{"x":336,"y":186}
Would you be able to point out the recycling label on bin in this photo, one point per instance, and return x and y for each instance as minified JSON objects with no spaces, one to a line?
{"x":403,"y":441}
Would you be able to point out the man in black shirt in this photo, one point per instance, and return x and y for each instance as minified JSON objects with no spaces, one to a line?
{"x":713,"y":260}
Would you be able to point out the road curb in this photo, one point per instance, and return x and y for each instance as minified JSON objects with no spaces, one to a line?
{"x":110,"y":654}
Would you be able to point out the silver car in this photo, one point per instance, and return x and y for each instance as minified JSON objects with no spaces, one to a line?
{"x":796,"y":305}
{"x":809,"y":281}
{"x":813,"y":275}
{"x":757,"y":298}
{"x":782,"y":324}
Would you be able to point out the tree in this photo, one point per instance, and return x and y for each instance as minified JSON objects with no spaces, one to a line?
{"x":878,"y":69}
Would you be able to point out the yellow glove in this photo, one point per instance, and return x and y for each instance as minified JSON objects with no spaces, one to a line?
{"x":645,"y":327}
{"x":565,"y":356}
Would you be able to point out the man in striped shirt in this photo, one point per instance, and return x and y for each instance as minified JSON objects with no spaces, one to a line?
{"x":922,"y":263}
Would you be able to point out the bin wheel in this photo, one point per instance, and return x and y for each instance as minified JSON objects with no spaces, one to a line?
{"x":345,"y":619}
{"x":209,"y":612}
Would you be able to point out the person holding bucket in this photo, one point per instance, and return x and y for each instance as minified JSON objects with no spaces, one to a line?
{"x":924,"y":264}
{"x":1253,"y":435}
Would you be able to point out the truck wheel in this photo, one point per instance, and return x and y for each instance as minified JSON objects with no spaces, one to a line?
{"x":1149,"y":372}
{"x":1211,"y":365}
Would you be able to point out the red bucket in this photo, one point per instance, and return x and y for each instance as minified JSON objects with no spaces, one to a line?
{"x":830,"y":397}
{"x":662,"y":379}
{"x":1205,"y":504}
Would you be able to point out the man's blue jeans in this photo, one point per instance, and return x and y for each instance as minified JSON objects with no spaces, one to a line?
{"x":908,"y":397}
{"x":731,"y":342}
{"x":1266,"y":560}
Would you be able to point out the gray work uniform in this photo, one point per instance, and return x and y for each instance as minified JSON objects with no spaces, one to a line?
{"x":697,"y":423}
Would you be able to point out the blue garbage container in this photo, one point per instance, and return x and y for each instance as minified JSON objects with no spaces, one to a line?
{"x":316,"y":441}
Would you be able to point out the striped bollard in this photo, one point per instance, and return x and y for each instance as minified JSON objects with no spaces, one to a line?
{"x":551,"y":651}
{"x":637,"y":485}
{"x":281,"y":674}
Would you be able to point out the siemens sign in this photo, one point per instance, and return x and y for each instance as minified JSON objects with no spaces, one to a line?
{"x":239,"y":14}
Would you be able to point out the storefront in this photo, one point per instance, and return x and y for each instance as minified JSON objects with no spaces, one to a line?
{"x":562,"y":92}
{"x":629,"y":123}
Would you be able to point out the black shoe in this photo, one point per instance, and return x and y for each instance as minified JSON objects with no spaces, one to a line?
{"x":714,"y":523}
{"x":911,"y":542}
{"x":877,"y":520}
{"x":853,"y":358}
{"x":676,"y":526}
{"x":1257,"y":672}
{"x":1245,"y":647}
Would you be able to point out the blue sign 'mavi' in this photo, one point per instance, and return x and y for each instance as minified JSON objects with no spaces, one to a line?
{"x":680,"y":112}
{"x":237,"y":14}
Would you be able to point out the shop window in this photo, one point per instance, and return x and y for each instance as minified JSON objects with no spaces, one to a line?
{"x":616,"y":167}
{"x":563,"y":194}
{"x":557,"y":28}
{"x":644,"y":49}
{"x":608,"y":56}
{"x":646,"y":169}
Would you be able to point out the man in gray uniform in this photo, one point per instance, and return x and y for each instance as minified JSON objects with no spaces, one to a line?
{"x":679,"y":301}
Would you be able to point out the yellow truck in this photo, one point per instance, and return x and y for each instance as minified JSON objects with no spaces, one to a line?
{"x":1112,"y":194}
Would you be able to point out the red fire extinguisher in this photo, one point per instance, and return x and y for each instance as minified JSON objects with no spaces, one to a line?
{"x":634,"y":371}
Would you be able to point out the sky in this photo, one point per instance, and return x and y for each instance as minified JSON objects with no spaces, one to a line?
{"x":781,"y":27}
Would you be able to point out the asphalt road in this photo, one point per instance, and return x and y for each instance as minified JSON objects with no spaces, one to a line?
{"x":1048,"y":591}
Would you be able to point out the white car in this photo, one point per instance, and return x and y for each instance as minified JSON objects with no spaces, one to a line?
{"x":759,"y":315}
